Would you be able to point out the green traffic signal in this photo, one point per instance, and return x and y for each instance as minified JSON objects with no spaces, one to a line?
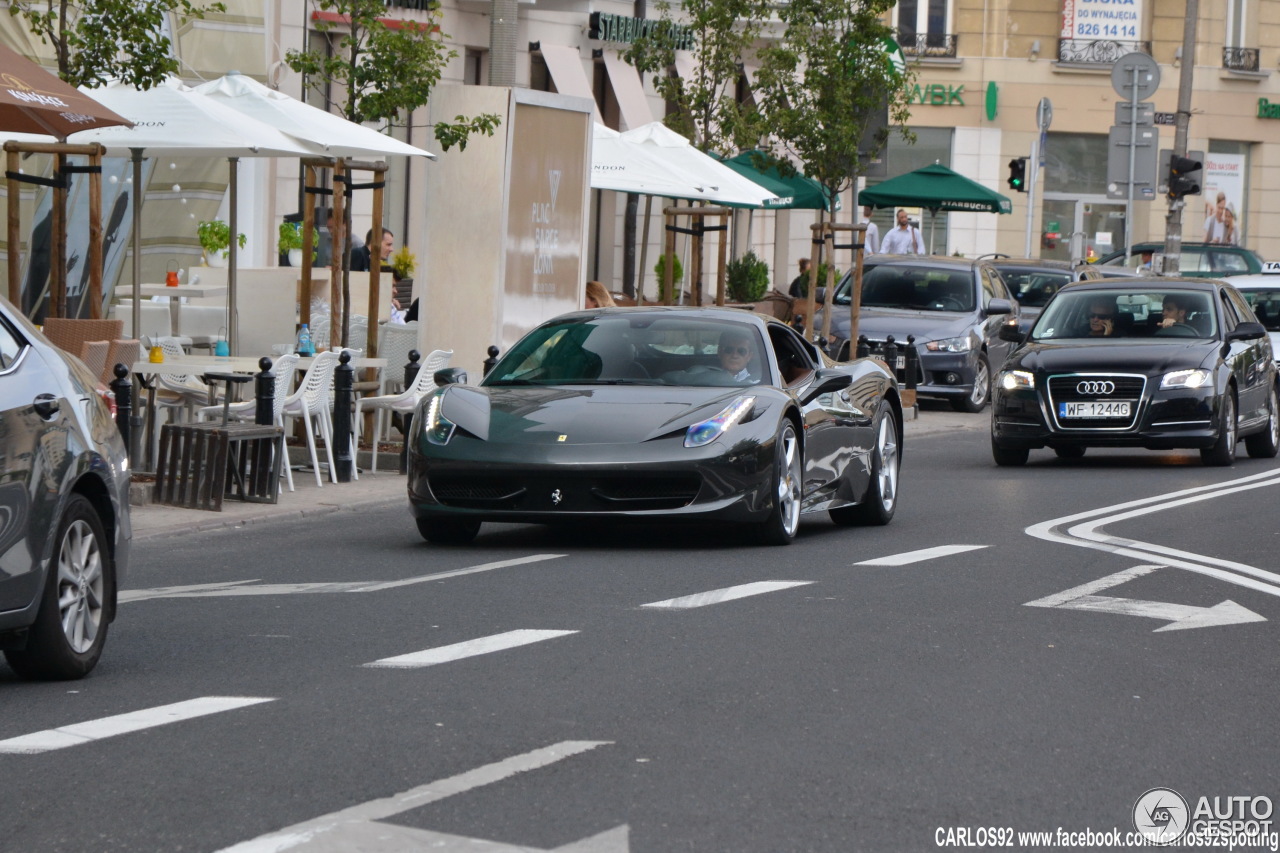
{"x":1018,"y":174}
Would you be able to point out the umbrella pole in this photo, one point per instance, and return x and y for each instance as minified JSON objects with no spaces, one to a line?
{"x":137,"y":241}
{"x":644,"y":250}
{"x":233,"y":163}
{"x":933,"y":225}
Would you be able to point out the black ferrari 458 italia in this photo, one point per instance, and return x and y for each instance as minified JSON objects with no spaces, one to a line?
{"x":1158,"y":363}
{"x":653,"y":414}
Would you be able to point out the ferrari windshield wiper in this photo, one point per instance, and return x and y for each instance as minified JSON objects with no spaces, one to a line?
{"x":628,"y":381}
{"x":501,"y":382}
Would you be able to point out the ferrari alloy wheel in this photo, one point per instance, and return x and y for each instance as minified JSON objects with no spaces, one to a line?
{"x":976,"y":401}
{"x":1223,"y":452}
{"x":780,"y":527}
{"x":1263,"y":445}
{"x":70,"y":630}
{"x":881,"y":499}
{"x":448,"y":531}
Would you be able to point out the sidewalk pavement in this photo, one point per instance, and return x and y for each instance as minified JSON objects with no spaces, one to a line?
{"x":388,"y":487}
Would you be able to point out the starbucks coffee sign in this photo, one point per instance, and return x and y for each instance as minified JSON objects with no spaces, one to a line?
{"x":617,"y":28}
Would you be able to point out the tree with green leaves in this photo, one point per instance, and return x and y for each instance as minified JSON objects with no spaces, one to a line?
{"x":719,"y":34}
{"x":96,"y":41}
{"x":387,"y":69}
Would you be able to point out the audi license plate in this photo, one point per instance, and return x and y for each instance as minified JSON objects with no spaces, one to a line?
{"x":1095,"y":409}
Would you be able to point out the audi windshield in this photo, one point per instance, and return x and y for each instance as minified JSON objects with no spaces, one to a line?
{"x":1128,"y":314}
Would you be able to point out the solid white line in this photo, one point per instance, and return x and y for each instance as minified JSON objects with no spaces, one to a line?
{"x":469,"y":648}
{"x":921,"y":555}
{"x":716,"y":596}
{"x":124,"y":723}
{"x":1060,"y":598}
{"x":484,"y":567}
{"x":301,"y":833}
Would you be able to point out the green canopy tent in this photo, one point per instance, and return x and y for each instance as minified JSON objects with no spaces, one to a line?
{"x":793,"y":191}
{"x":935,"y":187}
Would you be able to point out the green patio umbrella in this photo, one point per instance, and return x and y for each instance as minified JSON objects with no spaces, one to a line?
{"x":935,"y":187}
{"x":794,"y":191}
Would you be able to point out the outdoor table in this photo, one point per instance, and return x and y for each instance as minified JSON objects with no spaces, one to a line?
{"x":189,"y":290}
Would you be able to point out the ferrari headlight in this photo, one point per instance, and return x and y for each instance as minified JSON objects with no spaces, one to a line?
{"x":961,"y":344}
{"x":1197,"y":378}
{"x":1017,"y":380}
{"x":439,"y":429}
{"x":705,"y":432}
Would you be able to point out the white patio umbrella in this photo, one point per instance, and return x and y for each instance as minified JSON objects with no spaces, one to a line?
{"x":336,"y":136}
{"x":625,"y":166}
{"x":723,"y":185}
{"x":174,"y":120}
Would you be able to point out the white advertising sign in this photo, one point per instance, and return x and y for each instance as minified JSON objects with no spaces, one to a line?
{"x":1223,"y":196}
{"x":1102,"y":20}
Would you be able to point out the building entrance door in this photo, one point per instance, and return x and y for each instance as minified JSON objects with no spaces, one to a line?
{"x":1074,"y":228}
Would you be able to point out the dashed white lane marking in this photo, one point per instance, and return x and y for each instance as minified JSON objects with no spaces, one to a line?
{"x":469,"y":648}
{"x":374,"y":810}
{"x":923,"y":554}
{"x":230,"y":589}
{"x":715,"y":596}
{"x":79,"y":733}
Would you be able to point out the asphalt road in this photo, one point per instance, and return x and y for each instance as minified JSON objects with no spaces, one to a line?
{"x":666,"y":689}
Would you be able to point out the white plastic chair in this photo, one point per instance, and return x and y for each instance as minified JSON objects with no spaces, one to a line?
{"x":394,"y":342}
{"x":176,"y":394}
{"x":283,"y":367}
{"x":404,"y":402}
{"x":311,"y":402}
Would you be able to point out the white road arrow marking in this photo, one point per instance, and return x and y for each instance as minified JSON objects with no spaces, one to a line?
{"x":231,"y":589}
{"x":379,"y":837}
{"x":919,"y":556}
{"x":315,"y":835}
{"x":469,"y":648}
{"x":120,"y":724}
{"x":1179,"y":616}
{"x":716,"y":596}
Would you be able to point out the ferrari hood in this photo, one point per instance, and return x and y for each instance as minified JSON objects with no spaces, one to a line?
{"x":604,"y":414}
{"x":1082,"y":356}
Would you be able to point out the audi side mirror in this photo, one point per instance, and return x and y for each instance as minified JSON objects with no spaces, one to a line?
{"x":1247,"y":332}
{"x":1011,"y":333}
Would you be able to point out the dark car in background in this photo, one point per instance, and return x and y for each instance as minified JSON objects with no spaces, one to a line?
{"x":1033,"y":281}
{"x":954,"y":307}
{"x":64,"y":506}
{"x":1262,"y":292}
{"x":1158,"y":363}
{"x":1197,"y":260}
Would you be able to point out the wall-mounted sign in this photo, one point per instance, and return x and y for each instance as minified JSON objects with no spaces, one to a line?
{"x":618,"y":28}
{"x":993,"y":100}
{"x":1101,"y":20}
{"x":937,"y":94}
{"x":1266,"y":109}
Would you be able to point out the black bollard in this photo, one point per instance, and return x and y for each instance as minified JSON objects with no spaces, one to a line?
{"x":122,"y":388}
{"x":864,"y":346}
{"x":491,"y":360}
{"x":891,"y":356}
{"x":411,"y":369}
{"x":405,"y":422}
{"x":343,"y":378}
{"x":913,"y":363}
{"x":265,"y":394}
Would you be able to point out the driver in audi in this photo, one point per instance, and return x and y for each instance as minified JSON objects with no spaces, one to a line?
{"x":1102,"y":317}
{"x":1174,"y":311}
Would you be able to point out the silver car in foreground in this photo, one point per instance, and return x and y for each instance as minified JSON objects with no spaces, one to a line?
{"x":64,"y":506}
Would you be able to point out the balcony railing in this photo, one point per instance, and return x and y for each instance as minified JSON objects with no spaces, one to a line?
{"x":1098,"y":52}
{"x":929,"y":45}
{"x":1240,"y":58}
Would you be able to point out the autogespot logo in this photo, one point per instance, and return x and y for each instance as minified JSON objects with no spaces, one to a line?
{"x":1161,"y":815}
{"x":1095,"y":386}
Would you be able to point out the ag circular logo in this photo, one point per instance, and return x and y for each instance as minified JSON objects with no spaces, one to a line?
{"x":1161,"y":815}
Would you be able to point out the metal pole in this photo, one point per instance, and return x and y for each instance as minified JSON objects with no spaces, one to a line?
{"x":1133,"y":143}
{"x":233,"y":259}
{"x":137,"y":241}
{"x":343,"y":377}
{"x":1031,"y":191}
{"x":1173,"y":220}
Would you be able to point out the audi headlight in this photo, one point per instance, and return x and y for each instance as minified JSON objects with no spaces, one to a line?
{"x":961,"y":344}
{"x":705,"y":432}
{"x":1017,"y":380}
{"x":439,"y":429}
{"x":1197,"y":378}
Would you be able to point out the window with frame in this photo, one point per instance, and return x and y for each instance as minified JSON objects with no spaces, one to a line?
{"x":923,"y":27}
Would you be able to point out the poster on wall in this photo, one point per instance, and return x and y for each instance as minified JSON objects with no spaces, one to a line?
{"x":1102,"y":20}
{"x":1223,"y":196}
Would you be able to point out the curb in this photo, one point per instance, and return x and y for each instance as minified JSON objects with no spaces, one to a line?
{"x":284,"y":515}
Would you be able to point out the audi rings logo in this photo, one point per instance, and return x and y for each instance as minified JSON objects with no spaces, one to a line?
{"x":1096,"y":386}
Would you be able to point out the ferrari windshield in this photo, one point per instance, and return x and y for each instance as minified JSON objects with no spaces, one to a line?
{"x":912,"y":288}
{"x":1127,"y":313}
{"x":640,"y":348}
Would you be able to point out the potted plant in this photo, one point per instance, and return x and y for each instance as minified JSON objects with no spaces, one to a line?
{"x":215,"y":239}
{"x":290,"y":242}
{"x":748,"y":278}
{"x":403,"y":265}
{"x":660,"y":270}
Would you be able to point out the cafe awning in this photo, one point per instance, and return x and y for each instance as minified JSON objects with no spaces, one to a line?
{"x":793,"y":191}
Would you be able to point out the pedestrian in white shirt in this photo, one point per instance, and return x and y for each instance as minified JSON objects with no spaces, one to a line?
{"x":904,"y":239}
{"x":871,"y":238}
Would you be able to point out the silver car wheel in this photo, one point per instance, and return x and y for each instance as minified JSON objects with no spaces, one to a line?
{"x":789,"y":484}
{"x":981,"y":385}
{"x":887,"y":470}
{"x":80,"y":586}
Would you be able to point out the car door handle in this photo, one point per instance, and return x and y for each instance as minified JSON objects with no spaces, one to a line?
{"x":46,"y":405}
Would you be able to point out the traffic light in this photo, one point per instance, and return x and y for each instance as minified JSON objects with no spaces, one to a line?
{"x":1018,"y":174}
{"x":1184,"y":177}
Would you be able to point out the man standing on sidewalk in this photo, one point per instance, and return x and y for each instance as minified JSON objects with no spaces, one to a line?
{"x":871,"y":238}
{"x":904,"y":239}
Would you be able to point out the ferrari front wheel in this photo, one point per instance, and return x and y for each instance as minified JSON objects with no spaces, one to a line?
{"x":784,"y":516}
{"x":448,"y":531}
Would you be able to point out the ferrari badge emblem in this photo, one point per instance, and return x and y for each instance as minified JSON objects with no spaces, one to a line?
{"x":556,"y":497}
